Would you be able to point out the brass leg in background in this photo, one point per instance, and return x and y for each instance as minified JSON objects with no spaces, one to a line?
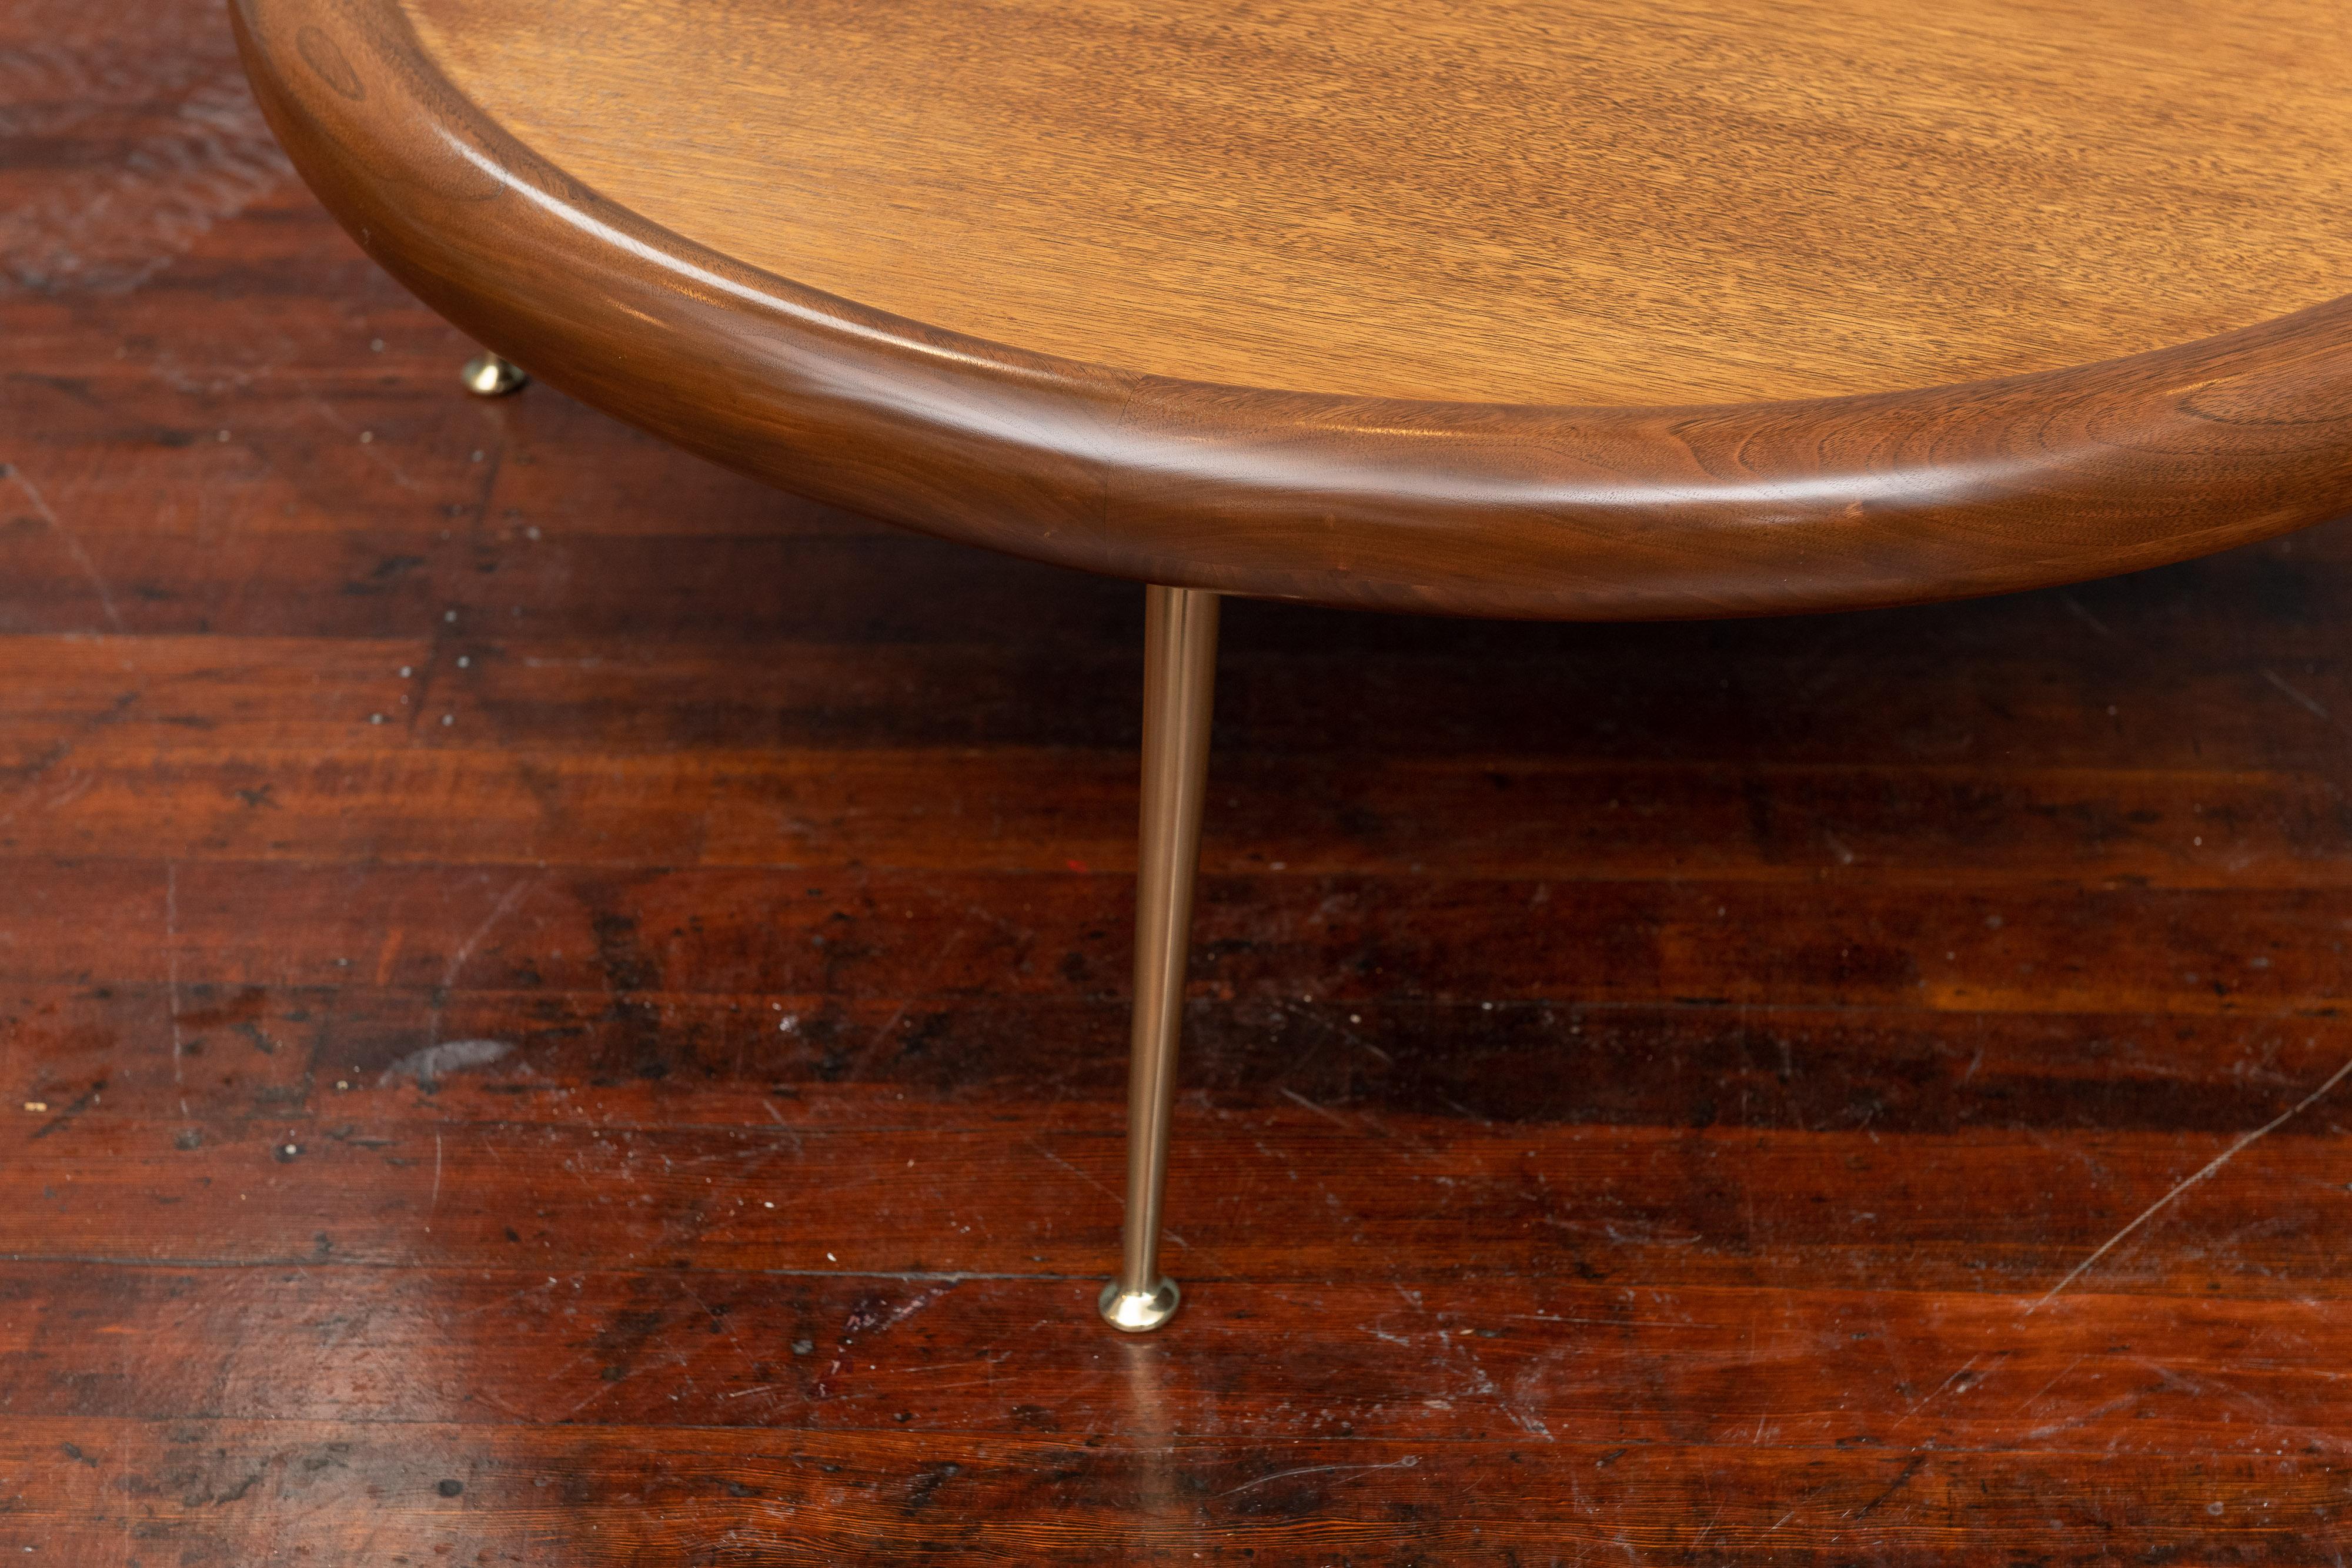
{"x":1179,"y":673}
{"x":487,"y":375}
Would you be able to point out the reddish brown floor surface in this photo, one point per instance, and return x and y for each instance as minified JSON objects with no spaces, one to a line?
{"x":557,"y":1007}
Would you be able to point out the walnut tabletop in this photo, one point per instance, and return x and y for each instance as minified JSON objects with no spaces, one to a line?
{"x":1545,"y":308}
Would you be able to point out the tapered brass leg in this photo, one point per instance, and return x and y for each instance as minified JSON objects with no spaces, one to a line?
{"x":1179,"y":673}
{"x":487,"y":375}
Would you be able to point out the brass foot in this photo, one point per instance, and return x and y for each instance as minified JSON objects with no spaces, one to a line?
{"x":1141,"y":1312}
{"x":487,"y":375}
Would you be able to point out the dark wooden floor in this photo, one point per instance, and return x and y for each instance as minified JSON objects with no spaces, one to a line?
{"x":569,"y":1010}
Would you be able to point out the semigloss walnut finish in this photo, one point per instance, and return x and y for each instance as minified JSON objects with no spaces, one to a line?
{"x":1631,"y":202}
{"x":2167,"y":196}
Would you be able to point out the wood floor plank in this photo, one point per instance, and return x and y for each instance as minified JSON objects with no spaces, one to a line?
{"x":230,"y":1490}
{"x":1269,"y":1193}
{"x":1542,"y":1361}
{"x":303,"y":1055}
{"x":164,"y":777}
{"x":1397,"y":692}
{"x":831,"y":931}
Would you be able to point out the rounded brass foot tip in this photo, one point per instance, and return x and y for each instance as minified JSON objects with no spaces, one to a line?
{"x":1140,"y":1312}
{"x":487,"y":375}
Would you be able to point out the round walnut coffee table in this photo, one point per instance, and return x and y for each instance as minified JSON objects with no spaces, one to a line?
{"x":1520,"y":307}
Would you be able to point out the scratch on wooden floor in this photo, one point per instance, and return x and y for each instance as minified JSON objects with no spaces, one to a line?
{"x":2084,"y":616}
{"x":909,"y":1309}
{"x":1931,"y":1396}
{"x":2046,"y":1387}
{"x":725,"y":1325}
{"x":72,"y":541}
{"x":65,"y":1118}
{"x":1525,"y":1391}
{"x":2223,"y":1158}
{"x":1323,"y":1111}
{"x":2082,"y":1418}
{"x":1100,"y":1186}
{"x":435,"y":1203}
{"x":2200,"y":1388}
{"x":595,"y":1391}
{"x":1800,"y":1506}
{"x":499,"y":912}
{"x":2310,"y":703}
{"x":172,"y":971}
{"x":369,"y":449}
{"x":1463,"y":1111}
{"x":122,"y":1463}
{"x":457,"y":966}
{"x":1899,"y":1483}
{"x":927,"y":987}
{"x":1408,"y":1462}
{"x":778,"y":1118}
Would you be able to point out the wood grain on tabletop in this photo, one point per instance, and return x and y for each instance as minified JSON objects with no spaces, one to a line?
{"x":1649,"y":1090}
{"x":1550,"y":202}
{"x":1534,"y":310}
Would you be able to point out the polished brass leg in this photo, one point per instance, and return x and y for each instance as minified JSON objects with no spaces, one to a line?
{"x":1180,"y":673}
{"x":487,"y":375}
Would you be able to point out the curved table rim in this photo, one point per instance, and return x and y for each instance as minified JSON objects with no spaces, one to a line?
{"x":1607,"y":513}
